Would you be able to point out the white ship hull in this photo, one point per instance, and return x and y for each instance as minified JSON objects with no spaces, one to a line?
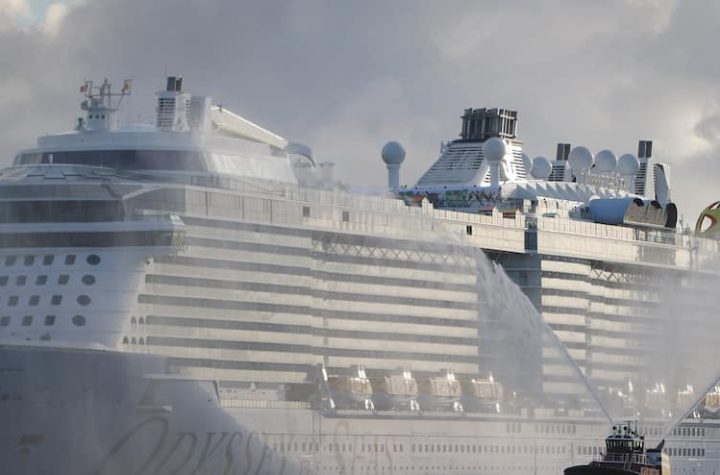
{"x":165,"y":307}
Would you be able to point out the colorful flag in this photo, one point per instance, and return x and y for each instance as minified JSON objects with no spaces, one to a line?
{"x":84,"y":88}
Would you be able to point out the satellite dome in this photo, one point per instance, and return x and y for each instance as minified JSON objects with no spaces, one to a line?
{"x":527,"y":162}
{"x":494,"y":150}
{"x":628,"y":164}
{"x":581,"y":159}
{"x":541,"y":168}
{"x":393,"y":153}
{"x":605,"y":161}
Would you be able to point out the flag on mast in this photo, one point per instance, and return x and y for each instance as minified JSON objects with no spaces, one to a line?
{"x":126,"y":86}
{"x":84,"y":87}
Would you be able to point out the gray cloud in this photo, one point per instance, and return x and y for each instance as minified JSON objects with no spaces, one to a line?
{"x":345,"y":77}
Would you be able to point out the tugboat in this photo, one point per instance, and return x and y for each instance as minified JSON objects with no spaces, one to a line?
{"x":625,"y":454}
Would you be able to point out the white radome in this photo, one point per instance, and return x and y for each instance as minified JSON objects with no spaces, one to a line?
{"x":527,"y":162}
{"x":605,"y":161}
{"x":628,"y":164}
{"x":494,"y":150}
{"x":580,"y":159}
{"x":541,"y":168}
{"x":393,"y":153}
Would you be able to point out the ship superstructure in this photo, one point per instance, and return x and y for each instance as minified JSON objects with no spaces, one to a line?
{"x":243,"y":293}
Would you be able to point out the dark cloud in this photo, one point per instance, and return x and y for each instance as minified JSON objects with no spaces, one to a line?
{"x":345,"y":77}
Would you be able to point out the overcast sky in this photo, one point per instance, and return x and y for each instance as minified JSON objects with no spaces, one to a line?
{"x":347,"y":76}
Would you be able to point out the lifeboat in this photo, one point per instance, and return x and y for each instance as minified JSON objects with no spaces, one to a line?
{"x":352,"y":392}
{"x":711,"y":404}
{"x":441,"y":392}
{"x":485,"y":395}
{"x":396,"y":392}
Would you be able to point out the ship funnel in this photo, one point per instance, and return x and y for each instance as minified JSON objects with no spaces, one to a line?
{"x":393,"y":154}
{"x":642,"y":184}
{"x":174,"y":108}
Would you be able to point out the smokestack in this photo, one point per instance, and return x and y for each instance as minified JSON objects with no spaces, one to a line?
{"x":642,"y":183}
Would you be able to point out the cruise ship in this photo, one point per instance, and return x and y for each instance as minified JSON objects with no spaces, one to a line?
{"x":200,"y":295}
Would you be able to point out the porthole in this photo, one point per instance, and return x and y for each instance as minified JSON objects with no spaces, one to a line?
{"x":93,"y":259}
{"x":41,"y":280}
{"x":79,"y":321}
{"x":83,"y":300}
{"x":70,"y":259}
{"x":63,"y":279}
{"x":48,"y":260}
{"x":27,"y":320}
{"x":88,"y":279}
{"x":49,"y":320}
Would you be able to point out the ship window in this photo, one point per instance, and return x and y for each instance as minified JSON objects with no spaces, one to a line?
{"x":126,"y":341}
{"x":41,"y":280}
{"x":10,"y":260}
{"x":13,"y":301}
{"x":56,"y":300}
{"x":468,"y":230}
{"x":70,"y":259}
{"x":29,"y":260}
{"x":48,"y":260}
{"x":3,"y":281}
{"x":184,"y":160}
{"x":93,"y":259}
{"x":27,"y":320}
{"x":34,"y":300}
{"x":306,"y":211}
{"x":63,"y":279}
{"x":83,"y":300}
{"x":21,"y":280}
{"x":4,"y":321}
{"x":79,"y":321}
{"x":346,"y":216}
{"x":88,"y":280}
{"x":49,"y":320}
